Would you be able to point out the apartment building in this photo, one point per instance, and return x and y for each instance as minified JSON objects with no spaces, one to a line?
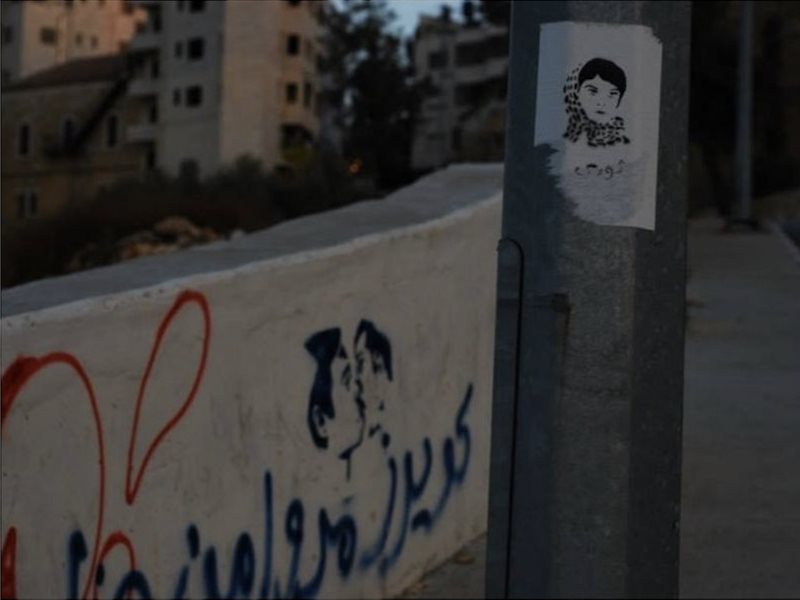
{"x":37,"y":35}
{"x":63,"y":135}
{"x":468,"y":65}
{"x":227,"y":79}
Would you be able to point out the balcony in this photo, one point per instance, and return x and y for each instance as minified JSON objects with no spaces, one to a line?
{"x":488,"y":69}
{"x":143,"y":87}
{"x":141,"y":133}
{"x":145,"y":41}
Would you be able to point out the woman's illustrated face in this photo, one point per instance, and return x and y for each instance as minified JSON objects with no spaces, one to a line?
{"x":599,"y":99}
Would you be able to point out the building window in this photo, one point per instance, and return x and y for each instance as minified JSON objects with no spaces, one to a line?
{"x":67,"y":132}
{"x":195,"y":48}
{"x":308,"y":94}
{"x":48,"y":35}
{"x":178,"y":49}
{"x":189,"y":170}
{"x":150,"y":159}
{"x":112,"y":131}
{"x":318,"y":104}
{"x":291,"y":93}
{"x":194,"y":95}
{"x":24,"y":140}
{"x":437,"y":60}
{"x":176,"y":97}
{"x":152,"y":112}
{"x":295,"y":135}
{"x":471,"y":53}
{"x":79,"y":39}
{"x":93,"y":42}
{"x":293,"y":45}
{"x":457,"y":139}
{"x":294,"y":2}
{"x":8,"y":34}
{"x":155,"y":68}
{"x":197,"y":5}
{"x":27,"y":204}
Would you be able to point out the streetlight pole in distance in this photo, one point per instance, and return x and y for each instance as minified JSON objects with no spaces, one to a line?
{"x":744,"y":119}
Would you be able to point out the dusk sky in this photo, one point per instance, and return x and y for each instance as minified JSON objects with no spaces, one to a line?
{"x":408,"y":11}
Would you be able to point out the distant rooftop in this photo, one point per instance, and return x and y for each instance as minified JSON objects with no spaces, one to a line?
{"x":82,"y":70}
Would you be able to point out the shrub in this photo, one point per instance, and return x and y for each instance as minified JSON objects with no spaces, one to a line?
{"x":243,"y":196}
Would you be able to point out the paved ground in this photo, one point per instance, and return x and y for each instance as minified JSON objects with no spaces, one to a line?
{"x":741,"y":491}
{"x":460,"y":577}
{"x":741,"y":499}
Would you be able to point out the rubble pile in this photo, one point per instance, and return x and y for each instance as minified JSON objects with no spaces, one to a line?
{"x":168,"y":235}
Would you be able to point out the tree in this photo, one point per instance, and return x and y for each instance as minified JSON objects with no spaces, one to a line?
{"x":497,"y":12}
{"x":468,"y":12}
{"x":372,"y":89}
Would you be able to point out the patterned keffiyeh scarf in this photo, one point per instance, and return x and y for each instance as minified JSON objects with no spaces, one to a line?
{"x":597,"y":134}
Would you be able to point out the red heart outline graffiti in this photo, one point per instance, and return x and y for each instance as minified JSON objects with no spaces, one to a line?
{"x":186,"y":297}
{"x":24,"y":368}
{"x":18,"y":374}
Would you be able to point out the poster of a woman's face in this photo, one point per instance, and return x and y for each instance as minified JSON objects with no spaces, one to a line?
{"x":597,"y":112}
{"x":593,"y":93}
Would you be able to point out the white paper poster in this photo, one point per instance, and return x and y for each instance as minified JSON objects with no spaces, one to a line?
{"x":597,"y":108}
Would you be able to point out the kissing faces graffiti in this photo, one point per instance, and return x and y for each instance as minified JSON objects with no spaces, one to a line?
{"x":293,"y":546}
{"x":25,"y":369}
{"x":349,"y":392}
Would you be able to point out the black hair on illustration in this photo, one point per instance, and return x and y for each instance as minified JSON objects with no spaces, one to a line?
{"x":323,"y":346}
{"x":377,"y":343}
{"x":607,"y":71}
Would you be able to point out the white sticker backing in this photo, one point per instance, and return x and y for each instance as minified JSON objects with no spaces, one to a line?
{"x":597,"y":108}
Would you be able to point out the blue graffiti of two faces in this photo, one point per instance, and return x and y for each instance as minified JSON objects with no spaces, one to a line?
{"x":340,"y":385}
{"x":347,"y":402}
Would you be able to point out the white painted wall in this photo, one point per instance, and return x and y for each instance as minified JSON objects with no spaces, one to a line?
{"x":220,"y":454}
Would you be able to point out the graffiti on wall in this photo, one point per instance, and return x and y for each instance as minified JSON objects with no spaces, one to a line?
{"x":349,"y":393}
{"x":346,"y":407}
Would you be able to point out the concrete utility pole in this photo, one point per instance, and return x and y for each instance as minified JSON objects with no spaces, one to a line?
{"x":586,"y":431}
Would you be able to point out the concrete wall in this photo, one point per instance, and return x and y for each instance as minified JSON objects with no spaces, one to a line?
{"x":301,"y":412}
